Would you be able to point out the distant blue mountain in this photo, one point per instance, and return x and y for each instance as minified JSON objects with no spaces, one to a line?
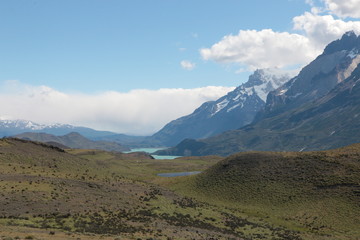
{"x":14,"y":127}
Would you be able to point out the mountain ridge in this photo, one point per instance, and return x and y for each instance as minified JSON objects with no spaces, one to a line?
{"x":322,"y":118}
{"x":12,"y":127}
{"x":236,"y":109}
{"x":72,"y":140}
{"x":316,"y":79}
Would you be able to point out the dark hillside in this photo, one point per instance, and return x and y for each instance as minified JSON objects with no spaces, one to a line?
{"x":317,"y":189}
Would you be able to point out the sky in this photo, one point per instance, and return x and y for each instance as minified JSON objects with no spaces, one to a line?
{"x":131,"y":66}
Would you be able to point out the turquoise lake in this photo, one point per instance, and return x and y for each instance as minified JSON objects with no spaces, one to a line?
{"x":152,"y":150}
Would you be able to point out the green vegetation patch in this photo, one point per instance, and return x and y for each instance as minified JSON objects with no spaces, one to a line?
{"x":255,"y":195}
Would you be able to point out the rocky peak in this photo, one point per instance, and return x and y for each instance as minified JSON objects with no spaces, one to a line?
{"x":267,"y":75}
{"x":338,"y":61}
{"x":260,"y":83}
{"x":263,"y":81}
{"x":348,"y":42}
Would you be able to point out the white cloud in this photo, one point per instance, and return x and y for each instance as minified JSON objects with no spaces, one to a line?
{"x":322,"y":29}
{"x":252,"y":49}
{"x":187,"y":65}
{"x":138,"y":112}
{"x":262,"y":49}
{"x":344,"y":8}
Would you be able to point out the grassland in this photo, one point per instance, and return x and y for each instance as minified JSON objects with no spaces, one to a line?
{"x":48,"y":193}
{"x":315,"y":193}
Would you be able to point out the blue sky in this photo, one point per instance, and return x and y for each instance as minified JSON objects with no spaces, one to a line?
{"x":93,"y":45}
{"x":131,"y":66}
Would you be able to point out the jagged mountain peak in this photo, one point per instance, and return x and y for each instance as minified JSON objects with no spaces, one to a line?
{"x":347,"y":42}
{"x":263,"y":81}
{"x":350,"y":34}
{"x":263,"y":75}
{"x":256,"y":89}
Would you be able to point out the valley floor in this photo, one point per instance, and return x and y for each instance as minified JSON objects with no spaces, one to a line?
{"x":47,"y":193}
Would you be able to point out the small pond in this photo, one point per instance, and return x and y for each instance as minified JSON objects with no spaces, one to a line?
{"x":177,"y":174}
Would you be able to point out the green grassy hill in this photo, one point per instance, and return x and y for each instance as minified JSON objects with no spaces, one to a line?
{"x":315,"y":192}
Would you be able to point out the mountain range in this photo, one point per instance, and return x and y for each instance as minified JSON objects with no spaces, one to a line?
{"x":72,"y":140}
{"x":318,"y":109}
{"x":17,"y":126}
{"x":232,"y":111}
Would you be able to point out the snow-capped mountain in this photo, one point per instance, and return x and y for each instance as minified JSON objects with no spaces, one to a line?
{"x":260,"y":83}
{"x":29,"y":125}
{"x":13,"y":127}
{"x":316,"y":110}
{"x":231,"y":111}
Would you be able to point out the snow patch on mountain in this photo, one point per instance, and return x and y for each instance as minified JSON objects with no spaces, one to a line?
{"x":221,"y":105}
{"x":260,"y":83}
{"x":29,"y":125}
{"x":271,"y":79}
{"x":234,"y":107}
{"x":353,"y":53}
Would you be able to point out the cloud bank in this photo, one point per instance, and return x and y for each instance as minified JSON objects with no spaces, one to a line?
{"x":344,"y":9}
{"x":322,"y":29}
{"x":261,"y":49}
{"x":139,"y":112}
{"x":252,"y":49}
